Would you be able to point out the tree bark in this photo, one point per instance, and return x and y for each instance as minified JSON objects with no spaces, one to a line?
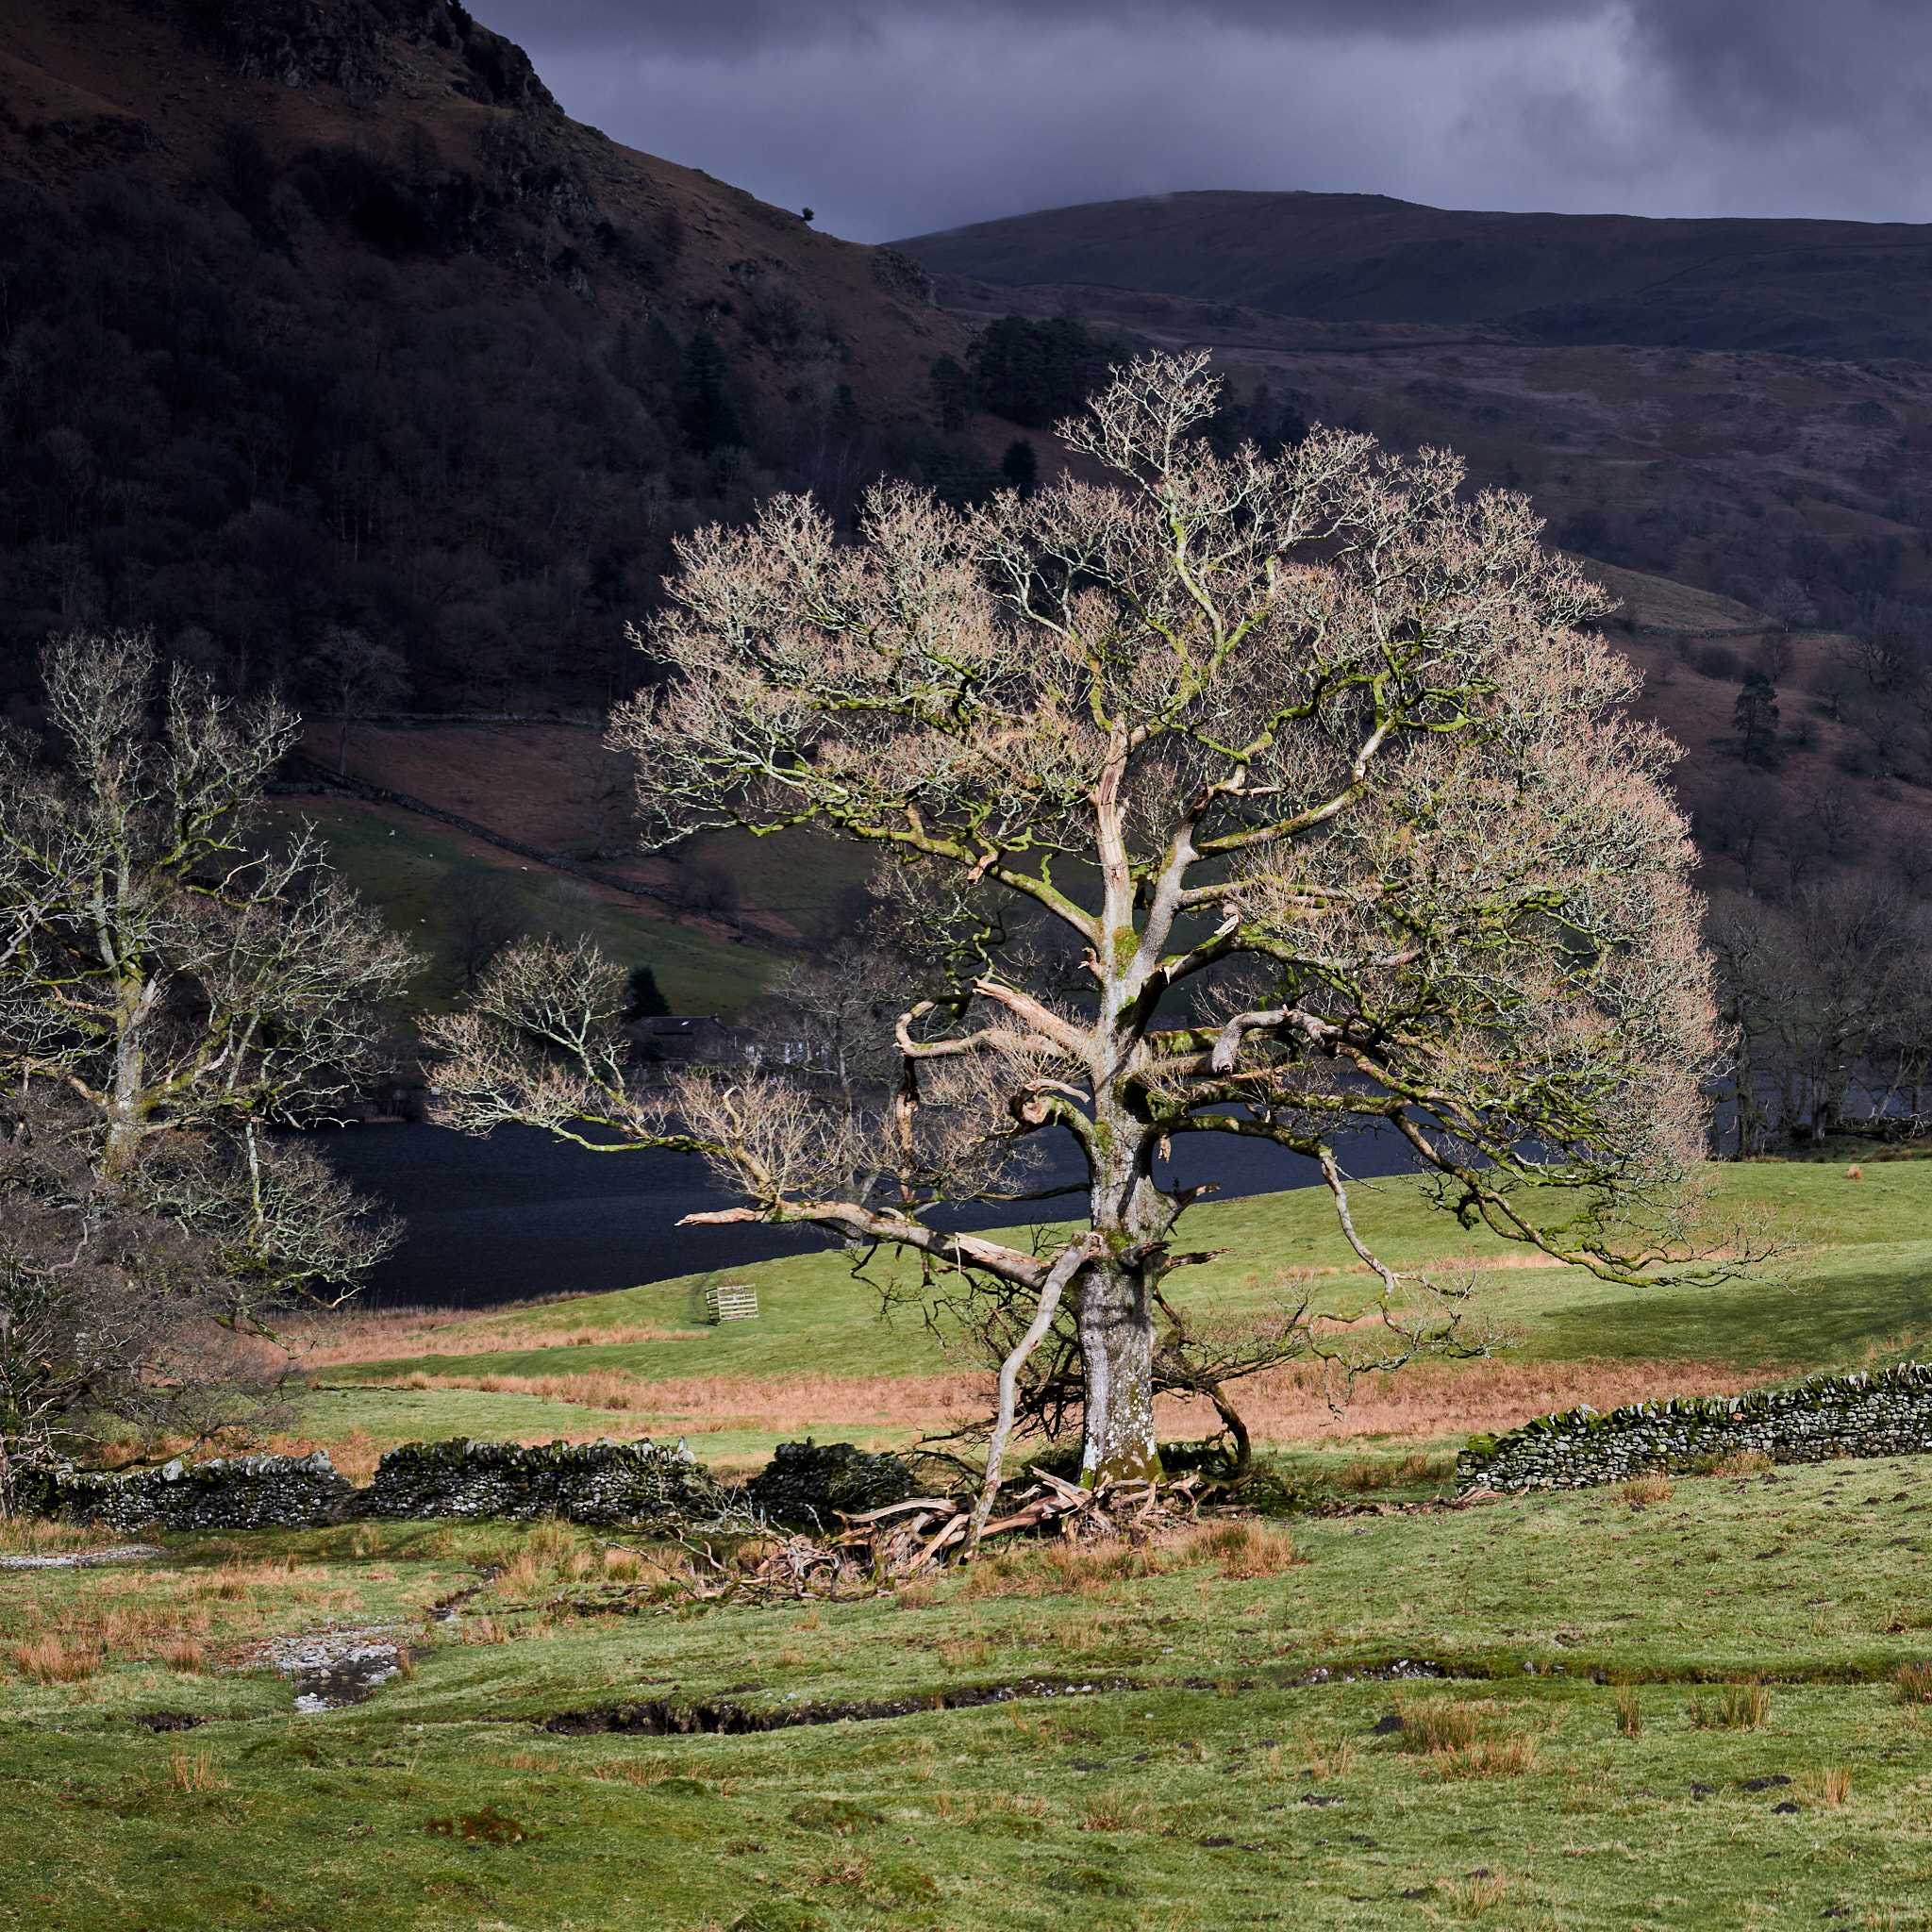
{"x":1116,"y":1325}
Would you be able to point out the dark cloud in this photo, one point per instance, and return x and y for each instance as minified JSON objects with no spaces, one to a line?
{"x":752,"y":26}
{"x":892,"y":116}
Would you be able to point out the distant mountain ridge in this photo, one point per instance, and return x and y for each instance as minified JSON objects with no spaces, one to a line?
{"x":321,"y":316}
{"x":1847,"y":290}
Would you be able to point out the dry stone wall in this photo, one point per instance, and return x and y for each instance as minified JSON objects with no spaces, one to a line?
{"x":231,"y":1493}
{"x":638,"y":1484}
{"x":1887,"y":1412}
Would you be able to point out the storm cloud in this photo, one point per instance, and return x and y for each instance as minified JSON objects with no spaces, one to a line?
{"x":891,"y":117}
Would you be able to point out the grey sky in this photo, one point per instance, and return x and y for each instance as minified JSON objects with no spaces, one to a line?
{"x":890,"y":117}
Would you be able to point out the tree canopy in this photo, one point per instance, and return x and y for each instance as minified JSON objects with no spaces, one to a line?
{"x":1267,"y":795}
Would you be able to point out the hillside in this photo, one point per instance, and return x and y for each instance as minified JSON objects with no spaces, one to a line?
{"x":1815,"y":287}
{"x":1700,"y":486}
{"x":377,"y":339}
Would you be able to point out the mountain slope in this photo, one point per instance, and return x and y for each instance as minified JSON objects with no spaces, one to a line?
{"x":1842,"y":289}
{"x":323,"y":316}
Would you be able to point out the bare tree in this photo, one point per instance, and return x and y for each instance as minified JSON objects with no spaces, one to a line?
{"x":487,"y":916}
{"x":1309,"y":758}
{"x":92,"y":1312}
{"x":1751,"y":945}
{"x":181,"y":984}
{"x":356,"y":677}
{"x":1787,"y":606}
{"x":1887,"y":645}
{"x":1852,"y":949}
{"x":157,"y":958}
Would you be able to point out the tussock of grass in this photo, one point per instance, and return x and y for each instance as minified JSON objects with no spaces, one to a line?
{"x":1248,"y":1550}
{"x":1737,"y":1707}
{"x":52,"y":1658}
{"x":194,"y":1771}
{"x":1653,"y":1486}
{"x":1458,"y":1739}
{"x":1914,"y":1683}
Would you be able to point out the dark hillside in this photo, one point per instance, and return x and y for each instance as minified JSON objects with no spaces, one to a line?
{"x":323,"y":319}
{"x":1838,"y":288}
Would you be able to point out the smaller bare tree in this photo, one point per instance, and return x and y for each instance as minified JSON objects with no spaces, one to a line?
{"x":356,"y":678}
{"x":183,"y":985}
{"x":98,"y":1327}
{"x":1787,"y":605}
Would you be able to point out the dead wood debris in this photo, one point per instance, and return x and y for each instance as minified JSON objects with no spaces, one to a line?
{"x":881,"y":1548}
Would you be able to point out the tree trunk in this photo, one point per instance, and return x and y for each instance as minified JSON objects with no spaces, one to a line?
{"x":1116,"y":1325}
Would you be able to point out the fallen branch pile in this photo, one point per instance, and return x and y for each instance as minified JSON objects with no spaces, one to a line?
{"x":882,"y":1547}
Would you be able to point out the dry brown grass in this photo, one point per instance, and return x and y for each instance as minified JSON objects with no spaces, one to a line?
{"x":1629,"y":1713}
{"x":1741,"y":1708}
{"x":1829,"y":1788}
{"x":342,"y":1340}
{"x":1461,"y":1741}
{"x":776,"y":1403}
{"x":1424,"y":1402}
{"x":1736,"y":1462}
{"x":1429,"y":1400}
{"x":1653,"y":1486}
{"x":1248,"y":1550}
{"x":194,"y":1771}
{"x":1913,"y":1683}
{"x":52,"y":1658}
{"x":34,"y":1536}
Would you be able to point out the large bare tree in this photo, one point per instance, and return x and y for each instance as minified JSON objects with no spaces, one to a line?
{"x":1310,"y":760}
{"x":180,"y":984}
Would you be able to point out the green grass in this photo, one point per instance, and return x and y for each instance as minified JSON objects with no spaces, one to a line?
{"x":418,"y":876}
{"x":1856,"y":1274}
{"x":1180,"y":1791}
{"x":1181,"y":1801}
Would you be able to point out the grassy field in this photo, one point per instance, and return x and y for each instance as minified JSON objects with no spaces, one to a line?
{"x":1851,"y":1283}
{"x":1596,"y":1753}
{"x":420,"y":876}
{"x":1679,"y":1706}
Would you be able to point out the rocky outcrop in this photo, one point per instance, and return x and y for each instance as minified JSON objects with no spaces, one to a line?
{"x":341,"y":44}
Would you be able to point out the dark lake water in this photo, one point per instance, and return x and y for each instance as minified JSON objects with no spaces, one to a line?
{"x":521,"y":1214}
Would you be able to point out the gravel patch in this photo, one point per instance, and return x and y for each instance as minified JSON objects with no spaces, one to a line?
{"x":83,"y":1559}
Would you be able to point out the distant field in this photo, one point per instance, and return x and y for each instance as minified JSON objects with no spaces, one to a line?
{"x":557,"y":788}
{"x":422,"y":876}
{"x":1851,"y":1283}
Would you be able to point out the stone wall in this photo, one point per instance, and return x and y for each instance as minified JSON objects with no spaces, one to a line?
{"x":1886,"y":1413}
{"x":637,"y":1483}
{"x":815,"y":1483}
{"x":233,"y":1492}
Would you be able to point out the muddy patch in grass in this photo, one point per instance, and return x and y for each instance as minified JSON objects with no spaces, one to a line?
{"x":164,"y":1721}
{"x":664,"y":1717}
